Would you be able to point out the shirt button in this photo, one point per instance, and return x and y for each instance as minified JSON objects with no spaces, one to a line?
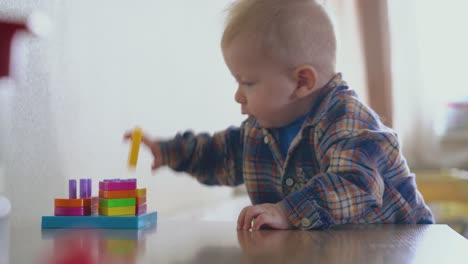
{"x":305,"y":222}
{"x":289,"y":182}
{"x":266,"y":140}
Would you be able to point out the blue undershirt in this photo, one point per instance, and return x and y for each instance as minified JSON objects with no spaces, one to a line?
{"x":288,"y":133}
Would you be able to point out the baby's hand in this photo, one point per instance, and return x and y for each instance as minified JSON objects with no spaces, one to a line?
{"x":152,"y":145}
{"x":271,"y":215}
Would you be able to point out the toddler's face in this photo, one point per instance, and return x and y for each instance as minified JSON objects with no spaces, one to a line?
{"x":265,"y":90}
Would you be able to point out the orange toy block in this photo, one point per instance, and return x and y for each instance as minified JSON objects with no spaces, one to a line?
{"x":84,"y":202}
{"x":140,"y":200}
{"x":117,"y":194}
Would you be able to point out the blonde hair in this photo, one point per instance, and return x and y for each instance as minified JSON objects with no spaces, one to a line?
{"x":295,"y":32}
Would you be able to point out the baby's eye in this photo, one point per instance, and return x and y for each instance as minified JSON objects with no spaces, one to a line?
{"x":248,"y":84}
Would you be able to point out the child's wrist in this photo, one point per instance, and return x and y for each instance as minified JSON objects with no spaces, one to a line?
{"x":285,"y":212}
{"x":157,"y":152}
{"x":162,"y":149}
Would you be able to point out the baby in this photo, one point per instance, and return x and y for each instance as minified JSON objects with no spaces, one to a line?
{"x":310,"y":153}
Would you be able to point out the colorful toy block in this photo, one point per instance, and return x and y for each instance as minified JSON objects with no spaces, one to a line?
{"x":99,"y":221}
{"x":94,"y":205}
{"x":115,"y":211}
{"x":86,"y":202}
{"x":59,"y":234}
{"x":72,"y":211}
{"x":103,"y":202}
{"x":137,"y":134}
{"x":118,"y":198}
{"x":140,"y":200}
{"x":117,"y":194}
{"x":72,"y":189}
{"x":141,"y":192}
{"x":85,"y":188}
{"x":140,"y":209}
{"x":73,"y":206}
{"x":118,"y":185}
{"x":113,"y":197}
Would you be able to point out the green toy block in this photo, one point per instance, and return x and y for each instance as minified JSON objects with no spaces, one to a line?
{"x":103,"y":202}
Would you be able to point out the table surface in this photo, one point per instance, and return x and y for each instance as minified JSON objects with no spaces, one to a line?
{"x":220,"y":242}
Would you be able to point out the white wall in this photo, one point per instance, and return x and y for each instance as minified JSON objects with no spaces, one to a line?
{"x":106,"y":67}
{"x":428,"y":57}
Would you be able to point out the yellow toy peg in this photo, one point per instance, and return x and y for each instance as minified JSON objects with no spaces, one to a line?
{"x":135,"y":147}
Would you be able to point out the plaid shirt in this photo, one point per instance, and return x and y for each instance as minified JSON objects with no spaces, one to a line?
{"x":344,"y":166}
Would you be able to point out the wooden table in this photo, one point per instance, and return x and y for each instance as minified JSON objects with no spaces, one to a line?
{"x":220,"y":242}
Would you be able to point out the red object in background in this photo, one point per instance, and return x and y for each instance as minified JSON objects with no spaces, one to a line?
{"x":7,"y":31}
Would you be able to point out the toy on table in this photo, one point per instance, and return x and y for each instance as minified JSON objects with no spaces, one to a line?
{"x":120,"y":205}
{"x":85,"y":205}
{"x":121,"y":197}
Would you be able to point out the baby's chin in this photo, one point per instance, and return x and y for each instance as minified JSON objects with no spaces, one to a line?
{"x":266,"y":124}
{"x":250,"y":118}
{"x":263,"y":124}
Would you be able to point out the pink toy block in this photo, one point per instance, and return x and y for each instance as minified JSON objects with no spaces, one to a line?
{"x":140,"y":209}
{"x":118,"y":185}
{"x":72,"y":211}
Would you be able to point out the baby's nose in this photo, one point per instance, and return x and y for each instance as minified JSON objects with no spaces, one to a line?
{"x":239,"y":97}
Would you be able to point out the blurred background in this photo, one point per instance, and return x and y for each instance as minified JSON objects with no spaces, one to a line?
{"x":75,"y":75}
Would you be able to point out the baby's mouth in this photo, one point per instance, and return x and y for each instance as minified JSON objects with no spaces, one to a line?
{"x":245,"y":112}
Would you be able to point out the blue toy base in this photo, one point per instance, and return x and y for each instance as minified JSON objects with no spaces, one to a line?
{"x":100,"y":221}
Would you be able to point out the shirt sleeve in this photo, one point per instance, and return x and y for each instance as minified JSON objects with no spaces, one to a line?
{"x":352,"y":156}
{"x":211,"y":159}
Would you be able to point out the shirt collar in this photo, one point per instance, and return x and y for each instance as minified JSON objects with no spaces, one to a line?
{"x":322,"y":101}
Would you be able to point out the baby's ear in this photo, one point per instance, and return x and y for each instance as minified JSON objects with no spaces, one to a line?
{"x":306,"y":78}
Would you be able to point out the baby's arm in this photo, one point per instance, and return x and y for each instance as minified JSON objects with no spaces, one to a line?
{"x":213,"y":160}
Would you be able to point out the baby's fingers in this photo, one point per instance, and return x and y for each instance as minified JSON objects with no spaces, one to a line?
{"x":240,"y":219}
{"x":146,"y":140}
{"x":157,"y":162}
{"x":127,"y":135}
{"x":263,"y":219}
{"x":251,"y":213}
